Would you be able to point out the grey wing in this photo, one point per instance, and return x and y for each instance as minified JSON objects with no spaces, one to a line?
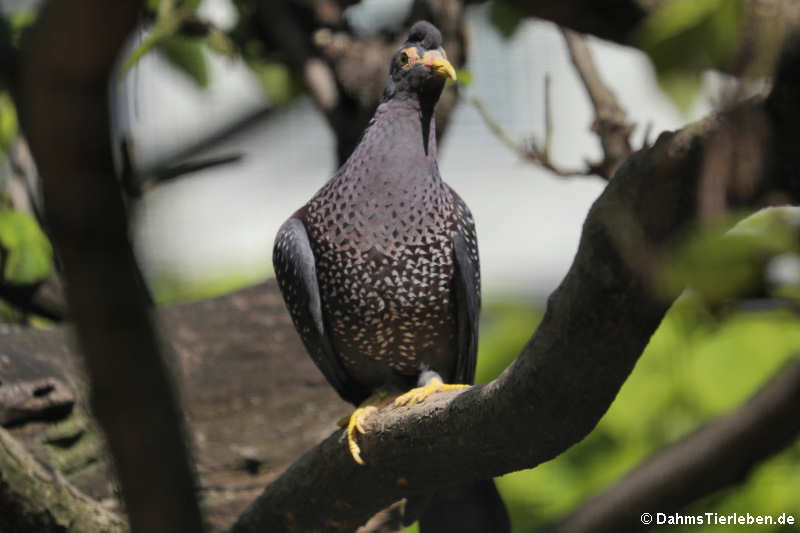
{"x":467,"y":292}
{"x":295,"y":270}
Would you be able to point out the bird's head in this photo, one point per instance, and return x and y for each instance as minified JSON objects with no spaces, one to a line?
{"x":420,"y":65}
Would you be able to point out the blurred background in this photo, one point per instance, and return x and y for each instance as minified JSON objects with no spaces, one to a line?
{"x":290,"y":154}
{"x":220,"y":147}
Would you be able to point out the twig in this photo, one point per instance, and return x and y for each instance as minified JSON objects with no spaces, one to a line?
{"x":136,"y":185}
{"x":648,"y":130}
{"x":610,"y":123}
{"x":530,"y":151}
{"x":495,"y":127}
{"x":548,"y":117}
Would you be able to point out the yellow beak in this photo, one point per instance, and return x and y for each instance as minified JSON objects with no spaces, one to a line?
{"x":439,"y":64}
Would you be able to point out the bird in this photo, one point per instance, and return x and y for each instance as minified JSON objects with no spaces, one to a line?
{"x":380,"y":269}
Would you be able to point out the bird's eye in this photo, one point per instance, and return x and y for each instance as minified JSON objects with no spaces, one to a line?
{"x":403,"y":59}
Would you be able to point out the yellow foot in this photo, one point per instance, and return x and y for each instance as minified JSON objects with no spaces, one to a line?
{"x":354,"y":427}
{"x":420,"y":393}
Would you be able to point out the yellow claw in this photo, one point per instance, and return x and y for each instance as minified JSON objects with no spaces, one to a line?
{"x":420,"y":393}
{"x":355,"y":426}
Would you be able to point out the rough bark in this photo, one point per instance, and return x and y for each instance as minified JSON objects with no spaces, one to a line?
{"x":35,"y":500}
{"x":63,"y":101}
{"x":596,"y":326}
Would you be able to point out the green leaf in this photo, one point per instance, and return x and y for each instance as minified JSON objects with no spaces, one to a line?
{"x":168,"y":22}
{"x":8,"y":122}
{"x":277,"y":81}
{"x":220,"y":43}
{"x":188,"y":55}
{"x":504,"y":18}
{"x":719,"y":264}
{"x":676,"y":17}
{"x":682,"y":87}
{"x":147,"y":44}
{"x":19,"y":21}
{"x":464,"y":77}
{"x":28,"y":254}
{"x":685,"y":37}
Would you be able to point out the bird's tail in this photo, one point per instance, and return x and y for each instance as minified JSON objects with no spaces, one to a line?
{"x":474,"y":507}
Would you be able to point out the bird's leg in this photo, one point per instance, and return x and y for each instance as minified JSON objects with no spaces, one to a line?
{"x":430,"y":383}
{"x":354,"y":422}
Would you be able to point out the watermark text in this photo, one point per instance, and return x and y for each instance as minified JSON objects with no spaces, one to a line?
{"x":718,"y":519}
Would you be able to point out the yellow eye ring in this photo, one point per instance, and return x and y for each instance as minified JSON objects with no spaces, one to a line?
{"x":408,"y":57}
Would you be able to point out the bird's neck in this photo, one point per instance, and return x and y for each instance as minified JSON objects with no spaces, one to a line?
{"x":407,"y":121}
{"x":397,"y":152}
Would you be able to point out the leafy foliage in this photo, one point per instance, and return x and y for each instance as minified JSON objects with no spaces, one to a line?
{"x":184,"y":39}
{"x":504,"y":18}
{"x":277,"y":81}
{"x":685,"y":37}
{"x":719,"y":264}
{"x":8,"y":122}
{"x":26,"y":252}
{"x":187,"y":55}
{"x":20,"y":21}
{"x":464,"y":77}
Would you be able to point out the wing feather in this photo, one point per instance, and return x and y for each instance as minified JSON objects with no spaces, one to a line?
{"x":295,"y":270}
{"x":467,"y":292}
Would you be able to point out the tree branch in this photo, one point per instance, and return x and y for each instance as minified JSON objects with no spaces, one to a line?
{"x":610,"y":122}
{"x":65,"y":73}
{"x":619,"y":20}
{"x":34,"y":500}
{"x":596,"y":326}
{"x":613,"y":20}
{"x":718,"y":455}
{"x":531,"y":150}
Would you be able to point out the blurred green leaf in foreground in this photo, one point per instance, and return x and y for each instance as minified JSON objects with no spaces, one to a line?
{"x":26,"y":256}
{"x":685,"y":37}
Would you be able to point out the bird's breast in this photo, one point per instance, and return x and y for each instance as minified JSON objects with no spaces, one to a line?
{"x":385,"y":278}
